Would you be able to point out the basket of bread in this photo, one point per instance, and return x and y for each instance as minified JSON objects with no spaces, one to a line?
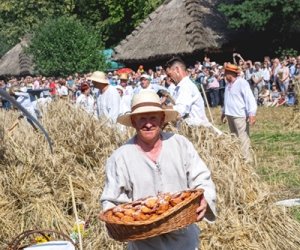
{"x":152,"y":216}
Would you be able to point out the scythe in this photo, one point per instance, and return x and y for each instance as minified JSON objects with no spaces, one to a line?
{"x":6,"y":96}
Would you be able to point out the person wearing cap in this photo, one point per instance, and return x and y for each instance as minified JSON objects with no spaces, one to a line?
{"x":188,"y":100}
{"x":86,"y":101}
{"x":108,"y":98}
{"x":239,"y":107}
{"x":145,"y":84}
{"x":143,"y":167}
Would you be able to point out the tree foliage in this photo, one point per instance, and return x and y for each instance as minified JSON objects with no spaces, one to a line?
{"x":279,"y":16}
{"x":64,"y":45}
{"x":113,"y":19}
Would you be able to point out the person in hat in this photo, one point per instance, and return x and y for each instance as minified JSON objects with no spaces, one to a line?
{"x":108,"y":98}
{"x":145,"y":84}
{"x":239,"y":107}
{"x":127,"y":89}
{"x":86,"y":101}
{"x":142,"y":167}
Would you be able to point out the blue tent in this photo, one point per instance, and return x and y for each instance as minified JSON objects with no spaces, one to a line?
{"x":112,"y":65}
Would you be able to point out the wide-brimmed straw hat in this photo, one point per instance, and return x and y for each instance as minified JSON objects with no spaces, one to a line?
{"x":99,"y":77}
{"x":123,"y":76}
{"x":232,"y":68}
{"x":146,"y":102}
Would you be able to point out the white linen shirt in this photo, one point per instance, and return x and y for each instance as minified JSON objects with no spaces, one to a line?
{"x":131,"y":175}
{"x":188,"y":101}
{"x":108,"y":104}
{"x":86,"y":102}
{"x":239,"y":100}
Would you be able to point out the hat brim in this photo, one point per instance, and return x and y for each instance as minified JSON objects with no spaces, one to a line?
{"x":103,"y":81}
{"x":170,"y":115}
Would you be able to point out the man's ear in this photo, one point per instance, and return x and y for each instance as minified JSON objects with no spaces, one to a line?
{"x":162,"y":122}
{"x":133,"y":122}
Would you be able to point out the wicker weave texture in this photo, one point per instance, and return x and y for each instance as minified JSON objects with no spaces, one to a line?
{"x":175,"y":218}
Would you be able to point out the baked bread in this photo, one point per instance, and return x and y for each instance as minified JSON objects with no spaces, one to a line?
{"x":147,"y":209}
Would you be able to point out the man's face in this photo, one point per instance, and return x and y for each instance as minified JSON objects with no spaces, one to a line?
{"x":173,"y":73}
{"x":148,"y":126}
{"x":123,"y":83}
{"x":98,"y":85}
{"x":230,"y":76}
{"x":145,"y":83}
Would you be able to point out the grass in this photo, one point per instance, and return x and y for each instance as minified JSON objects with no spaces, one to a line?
{"x":277,"y":149}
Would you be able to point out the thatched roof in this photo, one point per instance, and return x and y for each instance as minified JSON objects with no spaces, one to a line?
{"x":15,"y":62}
{"x":177,"y":27}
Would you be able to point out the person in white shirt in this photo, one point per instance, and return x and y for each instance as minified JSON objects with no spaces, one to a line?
{"x":145,"y":84}
{"x":188,"y":100}
{"x":86,"y":101}
{"x":239,"y":107}
{"x":108,"y":99}
{"x":142,"y":167}
{"x":124,"y":102}
{"x":63,"y":91}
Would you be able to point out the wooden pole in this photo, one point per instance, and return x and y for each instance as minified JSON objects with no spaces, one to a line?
{"x":207,"y":104}
{"x":75,"y":212}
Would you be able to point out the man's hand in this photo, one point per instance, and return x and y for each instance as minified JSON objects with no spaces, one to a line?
{"x":223,"y":118}
{"x":251,"y":120}
{"x":202,"y":208}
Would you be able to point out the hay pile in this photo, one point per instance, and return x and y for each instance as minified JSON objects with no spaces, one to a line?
{"x":35,"y":193}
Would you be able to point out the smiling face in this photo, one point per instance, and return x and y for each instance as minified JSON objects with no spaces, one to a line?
{"x":148,"y":126}
{"x":145,"y":83}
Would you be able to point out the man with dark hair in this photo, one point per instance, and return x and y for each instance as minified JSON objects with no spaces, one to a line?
{"x":188,"y":100}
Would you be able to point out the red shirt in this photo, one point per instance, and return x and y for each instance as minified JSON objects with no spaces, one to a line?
{"x":52,"y":87}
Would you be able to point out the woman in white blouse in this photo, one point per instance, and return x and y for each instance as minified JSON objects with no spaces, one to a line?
{"x":86,"y":101}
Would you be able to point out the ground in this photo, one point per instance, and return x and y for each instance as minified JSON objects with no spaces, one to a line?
{"x":277,"y":147}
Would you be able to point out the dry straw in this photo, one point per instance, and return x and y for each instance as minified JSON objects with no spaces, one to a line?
{"x":34,"y":190}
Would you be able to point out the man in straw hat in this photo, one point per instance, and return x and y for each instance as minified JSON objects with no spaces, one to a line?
{"x":239,"y":107}
{"x":154,"y":162}
{"x":108,"y":100}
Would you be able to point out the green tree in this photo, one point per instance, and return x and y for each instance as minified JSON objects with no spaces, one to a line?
{"x":279,"y":16}
{"x":114,"y":18}
{"x":20,"y":17}
{"x":64,"y":45}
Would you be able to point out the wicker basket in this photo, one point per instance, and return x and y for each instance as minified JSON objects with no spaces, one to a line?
{"x":175,"y":218}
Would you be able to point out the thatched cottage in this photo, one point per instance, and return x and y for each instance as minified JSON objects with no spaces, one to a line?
{"x":15,"y":62}
{"x":177,"y":27}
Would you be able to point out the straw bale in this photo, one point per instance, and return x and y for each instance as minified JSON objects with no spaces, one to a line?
{"x":35,"y":193}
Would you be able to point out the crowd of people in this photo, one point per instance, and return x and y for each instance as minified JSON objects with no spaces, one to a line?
{"x":185,"y":89}
{"x":146,"y":100}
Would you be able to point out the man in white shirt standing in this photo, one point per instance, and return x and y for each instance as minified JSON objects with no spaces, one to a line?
{"x":239,"y":107}
{"x":108,"y":100}
{"x":188,"y":100}
{"x":142,"y":168}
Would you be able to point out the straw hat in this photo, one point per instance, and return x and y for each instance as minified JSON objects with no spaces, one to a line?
{"x":123,"y":76}
{"x":146,"y":102}
{"x":99,"y":77}
{"x":232,"y":68}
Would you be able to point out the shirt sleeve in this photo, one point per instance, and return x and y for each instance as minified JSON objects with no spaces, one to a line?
{"x":250,"y":102}
{"x":182,"y":101}
{"x":117,"y":189}
{"x":114,"y":108}
{"x":198,"y":176}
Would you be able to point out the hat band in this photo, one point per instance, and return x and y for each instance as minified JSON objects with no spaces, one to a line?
{"x":154,"y":104}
